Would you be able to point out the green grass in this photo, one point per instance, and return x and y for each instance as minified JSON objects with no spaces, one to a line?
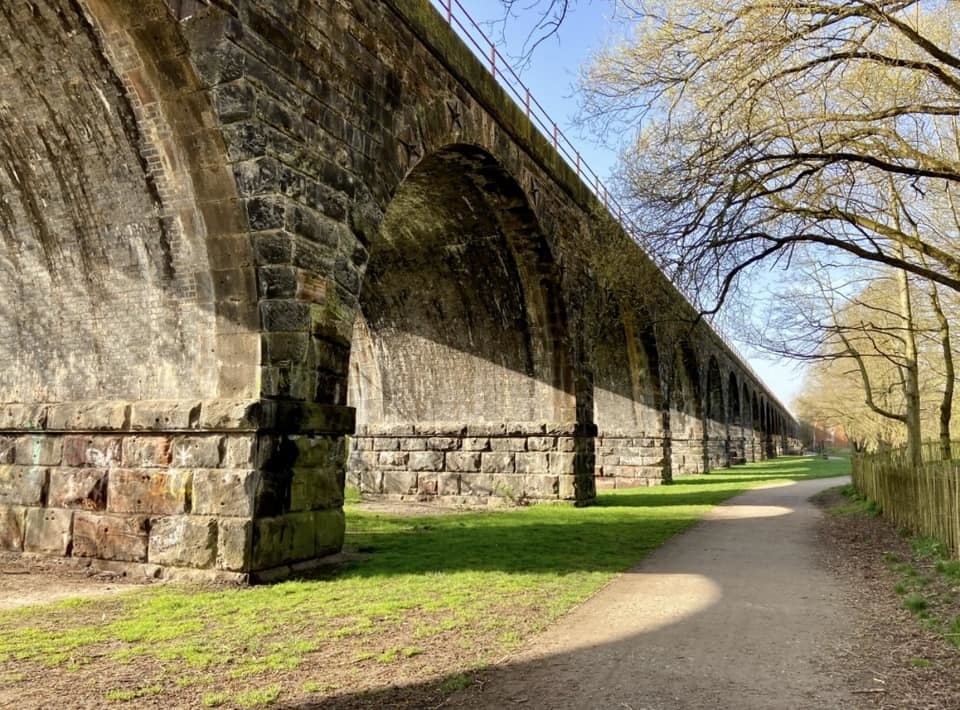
{"x":915,"y":602}
{"x":487,"y":578}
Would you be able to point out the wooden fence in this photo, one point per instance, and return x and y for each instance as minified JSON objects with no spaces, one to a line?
{"x":926,"y":500}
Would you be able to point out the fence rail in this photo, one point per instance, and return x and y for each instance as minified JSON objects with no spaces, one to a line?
{"x":925,"y":499}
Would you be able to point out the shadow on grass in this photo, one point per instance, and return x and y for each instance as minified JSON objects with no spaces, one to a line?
{"x":610,"y":536}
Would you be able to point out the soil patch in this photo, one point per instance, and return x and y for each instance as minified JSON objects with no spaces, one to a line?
{"x":28,"y":581}
{"x":892,"y":660}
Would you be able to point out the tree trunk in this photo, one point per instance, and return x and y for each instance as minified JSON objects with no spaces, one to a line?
{"x":911,"y":376}
{"x":946,"y":404}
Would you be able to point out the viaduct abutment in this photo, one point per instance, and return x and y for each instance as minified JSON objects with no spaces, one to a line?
{"x":250,"y":249}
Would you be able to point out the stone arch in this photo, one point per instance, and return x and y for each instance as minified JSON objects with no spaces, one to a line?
{"x":460,"y":361}
{"x":715,"y":419}
{"x":126,"y":271}
{"x":735,"y":420}
{"x":686,"y":412}
{"x":628,"y":402}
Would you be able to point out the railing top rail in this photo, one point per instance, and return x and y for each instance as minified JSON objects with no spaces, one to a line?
{"x":500,"y":68}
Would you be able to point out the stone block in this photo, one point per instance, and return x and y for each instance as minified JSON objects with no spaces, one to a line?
{"x":566,"y":444}
{"x":443,"y":443}
{"x":196,"y":451}
{"x":8,"y":449}
{"x":12,"y":523}
{"x":146,"y":452}
{"x":220,"y":492}
{"x":400,"y":482}
{"x":541,"y":443}
{"x":329,"y":530}
{"x":110,"y":537}
{"x":386,"y":443}
{"x":413,"y":443}
{"x":48,"y":531}
{"x":234,"y":538}
{"x":239,"y":451}
{"x":153,"y":492}
{"x":286,"y":538}
{"x":320,"y":451}
{"x":531,"y":462}
{"x":474,"y":443}
{"x":427,"y":484}
{"x":24,"y":416}
{"x":90,"y":416}
{"x":463,"y":461}
{"x":22,"y":485}
{"x":164,"y":416}
{"x":98,"y":451}
{"x":491,"y":485}
{"x":227,"y":414}
{"x":508,"y":443}
{"x":39,"y":450}
{"x":393,"y":459}
{"x":567,"y":488}
{"x":183,"y":541}
{"x":561,"y":463}
{"x":497,"y":462}
{"x":84,"y":488}
{"x":485,"y":429}
{"x":541,"y":487}
{"x":314,"y":489}
{"x":371,"y":480}
{"x":440,"y":429}
{"x":425,"y":461}
{"x":448,"y":484}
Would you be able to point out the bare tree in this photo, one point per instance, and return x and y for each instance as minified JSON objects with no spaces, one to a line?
{"x":765,"y":124}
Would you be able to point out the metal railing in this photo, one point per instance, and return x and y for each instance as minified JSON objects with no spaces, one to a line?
{"x":500,"y":68}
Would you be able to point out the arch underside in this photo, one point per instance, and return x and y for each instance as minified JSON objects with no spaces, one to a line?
{"x":459,"y":366}
{"x":630,"y":446}
{"x":105,"y":283}
{"x":686,"y":414}
{"x":716,"y":440}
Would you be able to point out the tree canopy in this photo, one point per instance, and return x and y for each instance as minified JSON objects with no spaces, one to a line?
{"x":762,"y":125}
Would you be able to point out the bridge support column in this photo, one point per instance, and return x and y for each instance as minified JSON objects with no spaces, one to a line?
{"x":224,"y":488}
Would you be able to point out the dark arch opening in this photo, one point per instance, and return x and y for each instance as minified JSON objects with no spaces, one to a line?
{"x":628,"y":401}
{"x":460,"y":336}
{"x":735,"y":421}
{"x":715,"y":424}
{"x":686,"y":413}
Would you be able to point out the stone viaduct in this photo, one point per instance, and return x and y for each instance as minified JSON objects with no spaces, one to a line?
{"x":250,"y":248}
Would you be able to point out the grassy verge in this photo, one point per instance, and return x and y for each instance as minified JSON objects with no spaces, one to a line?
{"x":928,"y":579}
{"x":432,"y":598}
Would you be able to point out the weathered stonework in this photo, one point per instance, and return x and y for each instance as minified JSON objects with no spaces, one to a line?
{"x":230,"y":233}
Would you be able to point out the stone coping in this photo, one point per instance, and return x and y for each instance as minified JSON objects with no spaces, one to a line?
{"x":213,"y":415}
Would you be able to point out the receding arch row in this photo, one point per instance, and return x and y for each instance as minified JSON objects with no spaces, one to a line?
{"x":481,"y":369}
{"x":239,"y":238}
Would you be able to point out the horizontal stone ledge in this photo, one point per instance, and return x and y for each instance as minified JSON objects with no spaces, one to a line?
{"x":138,"y":415}
{"x":471,"y":430}
{"x":176,"y":416}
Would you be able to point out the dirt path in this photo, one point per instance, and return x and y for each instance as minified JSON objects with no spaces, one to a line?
{"x":736,"y":613}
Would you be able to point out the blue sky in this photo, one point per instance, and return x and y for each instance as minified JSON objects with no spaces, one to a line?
{"x":551,"y":76}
